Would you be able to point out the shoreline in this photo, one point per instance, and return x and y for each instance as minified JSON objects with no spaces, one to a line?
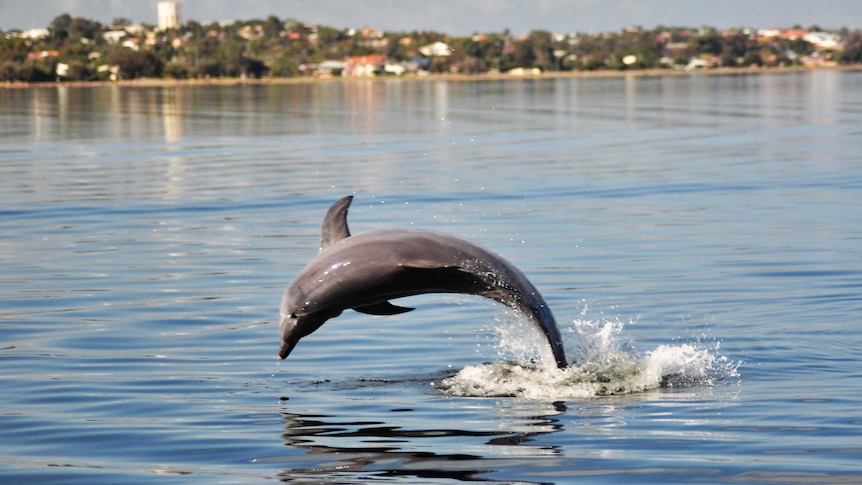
{"x":163,"y":82}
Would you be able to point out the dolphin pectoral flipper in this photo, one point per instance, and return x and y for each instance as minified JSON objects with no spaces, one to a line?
{"x":382,"y":308}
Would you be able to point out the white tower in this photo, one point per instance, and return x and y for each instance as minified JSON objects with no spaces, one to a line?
{"x":169,"y":15}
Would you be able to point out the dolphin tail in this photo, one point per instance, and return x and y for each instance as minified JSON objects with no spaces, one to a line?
{"x":538,"y":311}
{"x":544,"y":319}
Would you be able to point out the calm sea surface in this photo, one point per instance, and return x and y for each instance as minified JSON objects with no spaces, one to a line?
{"x":699,"y":239}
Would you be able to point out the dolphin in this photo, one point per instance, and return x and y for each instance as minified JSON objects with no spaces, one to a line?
{"x":363,"y":272}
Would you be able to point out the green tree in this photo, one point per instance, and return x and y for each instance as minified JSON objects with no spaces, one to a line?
{"x":35,"y":72}
{"x":13,"y":49}
{"x":709,"y":43}
{"x":251,"y":67}
{"x":284,"y":66}
{"x":9,"y":71}
{"x":80,"y":71}
{"x":58,"y":31}
{"x":734,"y":48}
{"x":272,"y":27}
{"x":135,"y":64}
{"x":209,"y":68}
{"x":83,"y":28}
{"x":541,"y":44}
{"x":852,"y":48}
{"x":176,"y":70}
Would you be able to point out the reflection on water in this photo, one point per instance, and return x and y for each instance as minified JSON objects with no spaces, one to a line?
{"x":171,"y":113}
{"x":376,"y":447}
{"x":379,"y":448}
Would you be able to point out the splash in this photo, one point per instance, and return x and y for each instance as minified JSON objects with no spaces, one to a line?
{"x":605,"y":363}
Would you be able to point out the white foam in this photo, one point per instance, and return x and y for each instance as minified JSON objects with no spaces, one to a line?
{"x":605,"y":363}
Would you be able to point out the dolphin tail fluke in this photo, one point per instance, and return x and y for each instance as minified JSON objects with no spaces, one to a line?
{"x":384,"y":308}
{"x":559,"y":356}
{"x":545,"y":321}
{"x":335,"y":223}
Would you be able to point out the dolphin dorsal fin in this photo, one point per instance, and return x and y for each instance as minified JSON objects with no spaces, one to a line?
{"x":335,"y":223}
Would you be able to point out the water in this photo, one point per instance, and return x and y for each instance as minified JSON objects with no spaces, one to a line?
{"x":698,"y":238}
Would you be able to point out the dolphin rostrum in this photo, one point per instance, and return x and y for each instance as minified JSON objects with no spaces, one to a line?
{"x":365,"y":271}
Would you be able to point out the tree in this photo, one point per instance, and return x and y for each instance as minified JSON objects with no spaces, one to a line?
{"x":176,"y":70}
{"x":13,"y":49}
{"x":9,"y":71}
{"x":852,"y":48}
{"x":58,"y":31}
{"x":709,"y":43}
{"x":284,"y":66}
{"x":134,"y":64}
{"x":733,"y":48}
{"x":473,"y":65}
{"x":35,"y":72}
{"x":543,"y":51}
{"x":80,"y":71}
{"x":209,"y":68}
{"x":272,"y":27}
{"x":247,"y":66}
{"x":80,"y":27}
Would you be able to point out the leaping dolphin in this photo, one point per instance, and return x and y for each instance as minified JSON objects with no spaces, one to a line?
{"x":365,"y":271}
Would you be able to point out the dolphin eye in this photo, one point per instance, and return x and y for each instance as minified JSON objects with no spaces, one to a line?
{"x":292,"y":316}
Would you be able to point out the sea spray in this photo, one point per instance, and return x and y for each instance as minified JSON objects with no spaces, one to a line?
{"x":603,"y":363}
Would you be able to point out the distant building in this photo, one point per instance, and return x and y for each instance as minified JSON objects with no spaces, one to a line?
{"x":35,"y":34}
{"x":364,"y":66}
{"x":169,"y":15}
{"x":823,"y":40}
{"x":114,"y":36}
{"x":437,"y":49}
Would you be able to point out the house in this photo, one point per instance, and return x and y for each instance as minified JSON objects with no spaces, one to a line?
{"x":437,"y":49}
{"x":823,"y":40}
{"x":32,"y":56}
{"x":696,"y":63}
{"x":394,"y":69}
{"x":328,"y":69}
{"x":793,"y":34}
{"x":364,"y":66}
{"x":114,"y":36}
{"x":35,"y":34}
{"x":134,"y":43}
{"x":251,"y":32}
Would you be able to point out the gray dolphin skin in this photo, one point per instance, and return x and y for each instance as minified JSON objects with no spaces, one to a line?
{"x":365,"y":271}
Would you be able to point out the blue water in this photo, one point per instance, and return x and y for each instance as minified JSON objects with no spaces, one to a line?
{"x":704,"y":227}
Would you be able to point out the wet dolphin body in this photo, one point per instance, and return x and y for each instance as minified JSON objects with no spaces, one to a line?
{"x":365,"y":271}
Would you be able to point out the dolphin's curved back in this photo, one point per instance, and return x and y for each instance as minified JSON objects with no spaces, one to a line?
{"x":506,"y":284}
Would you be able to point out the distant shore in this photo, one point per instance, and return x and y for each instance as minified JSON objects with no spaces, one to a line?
{"x":229,"y":81}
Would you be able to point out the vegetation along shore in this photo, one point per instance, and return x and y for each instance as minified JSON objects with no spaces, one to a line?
{"x":80,"y":51}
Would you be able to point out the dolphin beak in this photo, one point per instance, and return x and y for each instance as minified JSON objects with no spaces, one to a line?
{"x":294,"y":327}
{"x":289,"y":338}
{"x":286,"y":348}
